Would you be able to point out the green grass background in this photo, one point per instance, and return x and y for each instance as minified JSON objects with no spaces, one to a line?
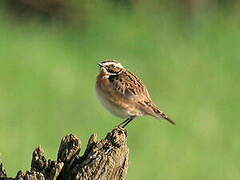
{"x":191,"y":68}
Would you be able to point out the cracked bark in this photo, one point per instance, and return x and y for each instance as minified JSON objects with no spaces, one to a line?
{"x":106,"y":159}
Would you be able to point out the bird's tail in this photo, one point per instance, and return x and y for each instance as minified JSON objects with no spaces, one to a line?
{"x":151,"y":109}
{"x":162,"y":115}
{"x":166,"y":117}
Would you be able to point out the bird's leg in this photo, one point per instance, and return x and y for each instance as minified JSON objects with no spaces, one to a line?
{"x":125,"y":123}
{"x":129,"y":120}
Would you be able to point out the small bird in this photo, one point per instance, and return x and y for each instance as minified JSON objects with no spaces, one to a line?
{"x":124,"y":94}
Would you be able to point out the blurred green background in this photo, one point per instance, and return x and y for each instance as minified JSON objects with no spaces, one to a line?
{"x":187,"y":53}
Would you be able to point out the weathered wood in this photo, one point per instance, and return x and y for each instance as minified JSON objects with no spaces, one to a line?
{"x":106,"y":159}
{"x":3,"y":172}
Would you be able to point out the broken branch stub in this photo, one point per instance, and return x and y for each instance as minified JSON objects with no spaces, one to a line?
{"x":106,"y":159}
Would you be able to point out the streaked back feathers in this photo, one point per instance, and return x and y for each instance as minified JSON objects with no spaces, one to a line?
{"x":133,"y":96}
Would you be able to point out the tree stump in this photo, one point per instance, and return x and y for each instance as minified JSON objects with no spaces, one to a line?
{"x":106,"y":159}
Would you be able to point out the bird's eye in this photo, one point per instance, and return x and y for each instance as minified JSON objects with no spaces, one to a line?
{"x":111,"y":69}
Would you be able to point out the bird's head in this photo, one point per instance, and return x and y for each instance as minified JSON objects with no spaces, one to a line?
{"x":110,"y":67}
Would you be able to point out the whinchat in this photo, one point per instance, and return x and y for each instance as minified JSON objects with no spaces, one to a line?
{"x":124,"y":94}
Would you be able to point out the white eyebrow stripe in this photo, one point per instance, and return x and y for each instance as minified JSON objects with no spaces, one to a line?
{"x":108,"y":63}
{"x":116,"y":64}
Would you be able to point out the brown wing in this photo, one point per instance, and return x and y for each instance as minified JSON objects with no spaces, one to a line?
{"x":130,"y":85}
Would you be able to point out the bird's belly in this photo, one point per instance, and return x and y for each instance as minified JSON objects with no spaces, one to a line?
{"x":115,"y":109}
{"x":118,"y":106}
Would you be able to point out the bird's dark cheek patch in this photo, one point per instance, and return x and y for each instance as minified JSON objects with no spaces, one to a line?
{"x":112,"y":78}
{"x":114,"y":70}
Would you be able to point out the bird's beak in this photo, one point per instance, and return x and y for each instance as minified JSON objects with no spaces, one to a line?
{"x":100,"y":65}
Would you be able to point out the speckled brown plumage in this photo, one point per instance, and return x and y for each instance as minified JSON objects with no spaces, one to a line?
{"x":124,"y":94}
